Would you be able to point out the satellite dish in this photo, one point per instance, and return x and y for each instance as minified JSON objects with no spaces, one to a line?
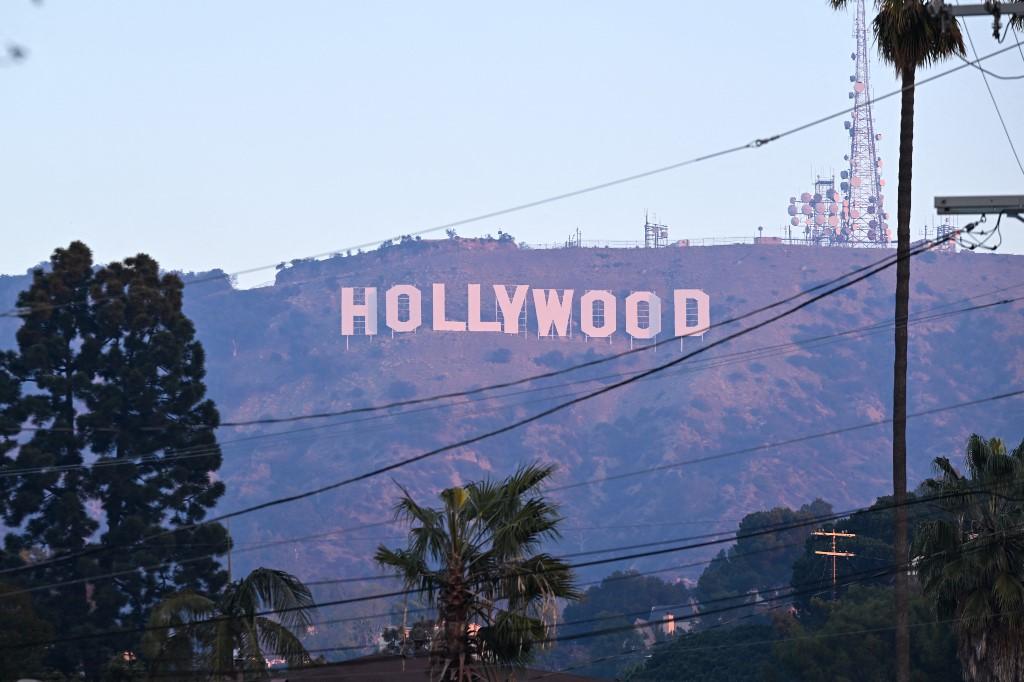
{"x":879,"y":162}
{"x":845,"y":186}
{"x":805,"y":197}
{"x":853,"y":55}
{"x":794,"y":221}
{"x":871,"y":235}
{"x":846,"y":157}
{"x":855,"y":181}
{"x":854,"y":213}
{"x":878,"y":136}
{"x":833,"y":209}
{"x":792,"y":209}
{"x":851,"y":95}
{"x":871,"y":209}
{"x":858,"y":87}
{"x":806,"y":210}
{"x":792,"y":200}
{"x":817,"y":197}
{"x":819,"y":208}
{"x":844,"y":174}
{"x":847,"y":124}
{"x":872,"y":224}
{"x":853,"y":78}
{"x":881,"y":182}
{"x":819,"y":220}
{"x":833,"y":220}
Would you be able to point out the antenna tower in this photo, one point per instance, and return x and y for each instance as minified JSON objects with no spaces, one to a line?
{"x":835,"y":553}
{"x":863,"y":218}
{"x":853,"y":215}
{"x":655,"y":235}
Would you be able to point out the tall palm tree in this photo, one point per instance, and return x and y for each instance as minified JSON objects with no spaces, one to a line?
{"x":972,"y":560}
{"x":908,"y":36}
{"x":476,"y":557}
{"x":194,"y":637}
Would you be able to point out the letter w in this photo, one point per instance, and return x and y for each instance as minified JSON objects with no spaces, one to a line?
{"x":552,"y":311}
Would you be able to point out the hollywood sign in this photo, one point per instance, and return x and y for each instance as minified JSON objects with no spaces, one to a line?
{"x":553,"y":310}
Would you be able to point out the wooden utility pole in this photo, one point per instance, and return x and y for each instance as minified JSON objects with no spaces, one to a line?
{"x":834,"y":553}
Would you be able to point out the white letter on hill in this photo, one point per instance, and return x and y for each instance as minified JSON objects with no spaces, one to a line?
{"x":440,"y":323}
{"x":512,"y":308}
{"x":703,"y":311}
{"x":587,"y":326}
{"x":653,"y":318}
{"x":475,"y":323}
{"x":552,"y":311}
{"x":350,"y":310}
{"x":415,"y":308}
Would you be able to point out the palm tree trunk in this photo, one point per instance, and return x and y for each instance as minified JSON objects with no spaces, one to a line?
{"x":899,"y":383}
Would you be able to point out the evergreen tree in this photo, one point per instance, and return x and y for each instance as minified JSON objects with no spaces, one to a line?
{"x":112,"y":384}
{"x":147,"y":406}
{"x":47,"y":512}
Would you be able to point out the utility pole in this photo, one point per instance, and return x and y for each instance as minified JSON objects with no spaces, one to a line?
{"x":997,"y":10}
{"x":835,"y":553}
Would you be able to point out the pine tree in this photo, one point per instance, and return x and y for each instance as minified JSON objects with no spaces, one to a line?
{"x":108,"y":370}
{"x":148,"y":407}
{"x":48,"y":512}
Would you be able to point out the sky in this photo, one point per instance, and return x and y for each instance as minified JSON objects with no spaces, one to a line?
{"x":237,"y":135}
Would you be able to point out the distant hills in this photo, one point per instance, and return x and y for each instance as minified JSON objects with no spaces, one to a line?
{"x":277,"y":351}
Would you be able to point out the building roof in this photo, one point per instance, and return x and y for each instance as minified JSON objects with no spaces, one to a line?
{"x":388,"y":668}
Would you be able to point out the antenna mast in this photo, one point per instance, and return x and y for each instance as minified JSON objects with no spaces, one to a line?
{"x":863,"y":216}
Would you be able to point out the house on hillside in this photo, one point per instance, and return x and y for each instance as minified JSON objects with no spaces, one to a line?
{"x":664,"y":622}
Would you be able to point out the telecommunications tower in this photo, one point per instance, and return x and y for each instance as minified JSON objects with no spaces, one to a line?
{"x":863,"y":218}
{"x":853,"y":215}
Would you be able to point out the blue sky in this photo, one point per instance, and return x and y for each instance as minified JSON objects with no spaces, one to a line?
{"x":238,"y":134}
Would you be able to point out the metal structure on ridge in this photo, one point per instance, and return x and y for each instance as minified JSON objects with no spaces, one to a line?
{"x":655,"y":234}
{"x":853,"y":215}
{"x":863,"y":218}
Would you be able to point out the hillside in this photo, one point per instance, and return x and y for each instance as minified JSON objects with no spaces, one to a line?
{"x":277,"y":351}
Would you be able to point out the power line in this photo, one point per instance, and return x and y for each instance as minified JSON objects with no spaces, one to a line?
{"x":869,"y":574}
{"x":535,"y":377}
{"x":984,"y":75}
{"x":755,"y":144}
{"x":306,"y":538}
{"x":766,"y":530}
{"x":514,"y":425}
{"x":790,"y":441}
{"x":174,"y":455}
{"x":372,"y":578}
{"x":400,"y":593}
{"x":729,"y":538}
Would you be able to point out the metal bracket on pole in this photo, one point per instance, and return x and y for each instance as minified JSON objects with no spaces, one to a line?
{"x":993,"y":8}
{"x":1006,"y":204}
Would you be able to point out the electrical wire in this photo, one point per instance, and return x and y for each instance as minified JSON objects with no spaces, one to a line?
{"x":790,"y":441}
{"x":850,"y":579}
{"x":535,"y":377}
{"x":503,"y":429}
{"x":984,"y":75}
{"x":754,"y":144}
{"x":306,"y":538}
{"x":767,"y":530}
{"x":175,"y":455}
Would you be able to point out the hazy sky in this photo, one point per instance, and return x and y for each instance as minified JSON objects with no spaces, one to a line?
{"x":237,"y":134}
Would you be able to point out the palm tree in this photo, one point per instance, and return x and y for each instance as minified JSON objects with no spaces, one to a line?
{"x":972,"y":560}
{"x":476,"y":558}
{"x":908,"y":36}
{"x":190,"y":632}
